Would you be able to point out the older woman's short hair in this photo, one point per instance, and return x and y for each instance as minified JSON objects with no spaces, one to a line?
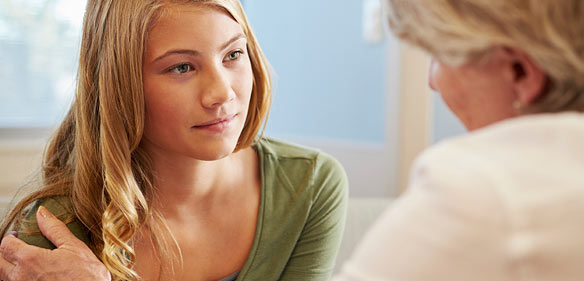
{"x":461,"y":31}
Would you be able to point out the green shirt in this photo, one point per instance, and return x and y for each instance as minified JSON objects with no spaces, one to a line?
{"x":301,"y":215}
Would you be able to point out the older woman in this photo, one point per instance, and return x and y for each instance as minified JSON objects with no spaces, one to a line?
{"x":505,"y":202}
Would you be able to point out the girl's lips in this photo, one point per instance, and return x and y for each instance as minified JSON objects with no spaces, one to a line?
{"x":218,"y":125}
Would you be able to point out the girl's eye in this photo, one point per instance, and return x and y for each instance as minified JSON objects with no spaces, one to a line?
{"x":233,"y":55}
{"x":182,"y":68}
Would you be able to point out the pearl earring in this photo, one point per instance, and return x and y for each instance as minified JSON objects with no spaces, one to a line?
{"x":517,"y":105}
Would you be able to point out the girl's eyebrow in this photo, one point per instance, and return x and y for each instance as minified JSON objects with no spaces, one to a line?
{"x":233,"y":39}
{"x":196,"y":53}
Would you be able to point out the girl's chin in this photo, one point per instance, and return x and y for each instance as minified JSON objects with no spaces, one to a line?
{"x":215,"y":152}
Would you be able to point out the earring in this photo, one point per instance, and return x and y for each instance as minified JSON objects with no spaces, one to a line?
{"x":517,"y":105}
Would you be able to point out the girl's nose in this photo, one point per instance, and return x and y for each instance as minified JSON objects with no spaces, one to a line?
{"x":218,"y":90}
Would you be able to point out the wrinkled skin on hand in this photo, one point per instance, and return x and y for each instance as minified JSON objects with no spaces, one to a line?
{"x":71,"y":260}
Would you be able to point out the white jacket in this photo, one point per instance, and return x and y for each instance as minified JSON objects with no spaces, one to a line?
{"x":502,"y":203}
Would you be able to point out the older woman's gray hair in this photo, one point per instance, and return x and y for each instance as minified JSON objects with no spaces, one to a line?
{"x":460,"y":31}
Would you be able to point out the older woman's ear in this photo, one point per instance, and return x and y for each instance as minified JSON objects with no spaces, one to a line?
{"x":529,"y":80}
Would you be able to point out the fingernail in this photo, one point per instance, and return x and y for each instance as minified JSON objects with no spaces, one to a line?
{"x":12,"y":234}
{"x":44,"y":212}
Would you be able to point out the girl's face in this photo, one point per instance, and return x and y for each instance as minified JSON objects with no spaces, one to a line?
{"x":197,"y":81}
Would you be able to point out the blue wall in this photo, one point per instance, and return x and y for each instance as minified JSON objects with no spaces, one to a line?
{"x":329,"y":82}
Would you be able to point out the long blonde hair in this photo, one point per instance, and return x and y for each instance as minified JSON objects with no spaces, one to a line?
{"x":95,"y":156}
{"x":460,"y":31}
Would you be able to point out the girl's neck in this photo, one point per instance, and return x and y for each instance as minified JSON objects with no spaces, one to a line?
{"x":184,"y":183}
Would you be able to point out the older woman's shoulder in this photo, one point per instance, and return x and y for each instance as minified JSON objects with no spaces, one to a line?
{"x":513,"y":157}
{"x":526,"y":134}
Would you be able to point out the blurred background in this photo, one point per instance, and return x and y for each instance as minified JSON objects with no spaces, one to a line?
{"x":343,"y":85}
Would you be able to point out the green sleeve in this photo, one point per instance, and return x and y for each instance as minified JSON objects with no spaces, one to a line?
{"x":29,"y":231}
{"x":313,"y":258}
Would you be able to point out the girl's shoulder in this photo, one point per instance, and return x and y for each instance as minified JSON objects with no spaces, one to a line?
{"x":296,"y":157}
{"x":62,"y":208}
{"x":299,"y":168}
{"x":282,"y":149}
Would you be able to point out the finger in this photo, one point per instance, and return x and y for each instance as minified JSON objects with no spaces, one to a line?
{"x":6,"y":269}
{"x":11,"y":247}
{"x":54,"y":229}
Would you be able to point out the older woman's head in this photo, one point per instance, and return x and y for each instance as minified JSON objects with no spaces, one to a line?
{"x":496,"y":59}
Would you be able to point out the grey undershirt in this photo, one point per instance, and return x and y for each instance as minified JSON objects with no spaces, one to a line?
{"x":231,"y":277}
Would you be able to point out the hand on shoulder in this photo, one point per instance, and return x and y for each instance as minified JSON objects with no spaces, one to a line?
{"x":72,"y":260}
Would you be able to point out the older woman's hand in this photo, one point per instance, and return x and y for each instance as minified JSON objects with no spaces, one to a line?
{"x":72,"y":260}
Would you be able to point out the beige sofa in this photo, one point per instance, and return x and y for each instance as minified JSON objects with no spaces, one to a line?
{"x":361,"y":214}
